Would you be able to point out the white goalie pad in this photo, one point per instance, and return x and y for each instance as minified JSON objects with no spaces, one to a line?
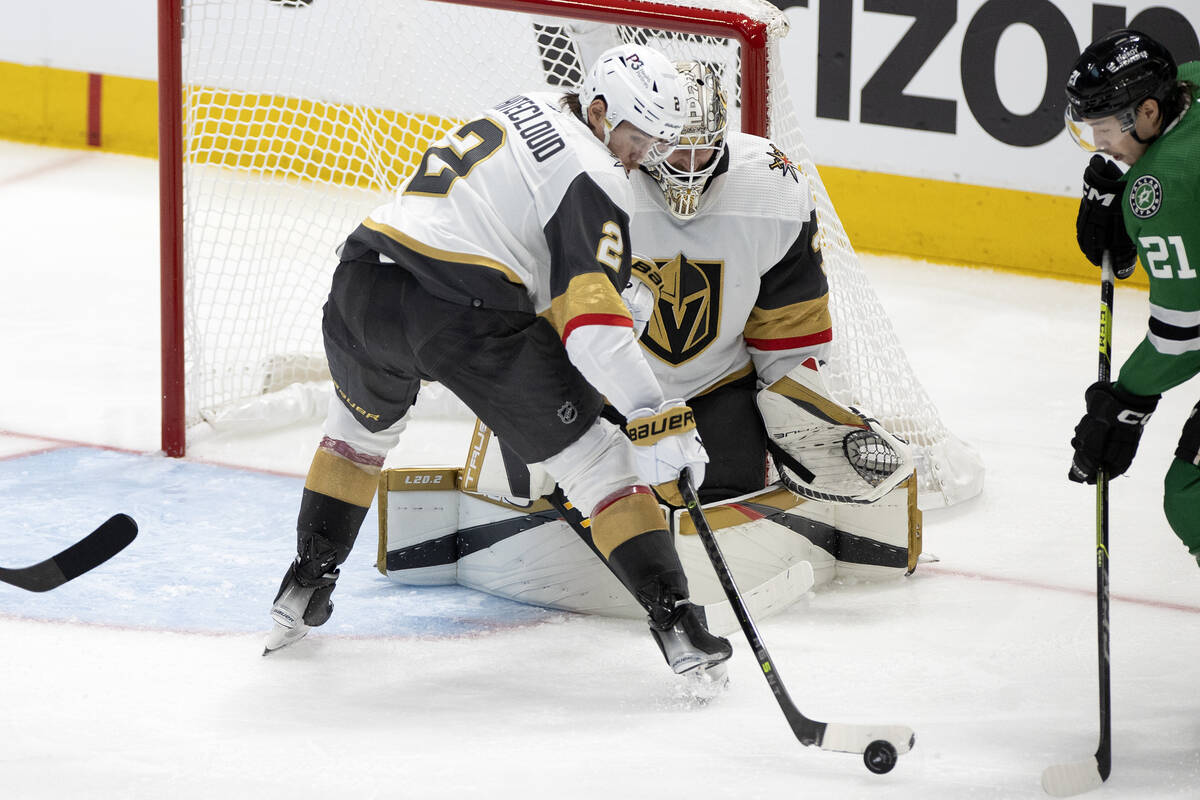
{"x":826,"y":451}
{"x":492,"y":470}
{"x":778,"y":547}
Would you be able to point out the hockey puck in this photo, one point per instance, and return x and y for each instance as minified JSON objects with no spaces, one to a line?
{"x":880,"y":756}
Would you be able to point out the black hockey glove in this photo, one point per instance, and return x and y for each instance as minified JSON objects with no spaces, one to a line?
{"x":1099,"y":225}
{"x":1107,"y":436}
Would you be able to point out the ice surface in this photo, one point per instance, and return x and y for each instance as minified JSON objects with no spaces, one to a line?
{"x":143,"y":679}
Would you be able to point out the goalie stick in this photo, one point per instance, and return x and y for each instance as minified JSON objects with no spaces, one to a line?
{"x":880,"y":745}
{"x":89,"y":552}
{"x":1064,"y":780}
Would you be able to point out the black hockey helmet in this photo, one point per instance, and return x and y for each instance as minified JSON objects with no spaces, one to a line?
{"x":1112,"y":76}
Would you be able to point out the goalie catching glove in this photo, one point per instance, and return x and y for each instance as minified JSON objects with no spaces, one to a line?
{"x":824,"y":450}
{"x":1107,"y":437}
{"x":665,"y":441}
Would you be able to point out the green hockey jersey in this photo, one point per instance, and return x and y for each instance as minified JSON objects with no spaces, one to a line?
{"x":1162,"y":216}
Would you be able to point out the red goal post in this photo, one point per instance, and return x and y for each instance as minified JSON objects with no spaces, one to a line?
{"x":284,"y":122}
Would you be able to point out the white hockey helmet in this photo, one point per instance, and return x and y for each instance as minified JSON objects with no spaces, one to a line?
{"x":703,"y":132}
{"x":639,"y":86}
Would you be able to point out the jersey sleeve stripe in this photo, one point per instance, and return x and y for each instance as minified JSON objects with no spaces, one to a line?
{"x":798,"y":320}
{"x":793,"y":342}
{"x":613,"y":320}
{"x":592,"y":296}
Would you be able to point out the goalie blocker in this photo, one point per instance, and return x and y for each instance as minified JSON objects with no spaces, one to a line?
{"x":477,"y":527}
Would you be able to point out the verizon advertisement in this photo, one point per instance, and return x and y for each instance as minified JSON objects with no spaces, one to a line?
{"x":968,"y":91}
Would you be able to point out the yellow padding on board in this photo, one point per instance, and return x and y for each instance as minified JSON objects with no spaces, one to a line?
{"x":43,"y":105}
{"x":960,"y":222}
{"x":628,"y":517}
{"x":339,"y":478}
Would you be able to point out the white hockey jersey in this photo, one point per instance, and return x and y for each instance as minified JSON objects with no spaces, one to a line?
{"x":524,"y":209}
{"x":740,"y":282}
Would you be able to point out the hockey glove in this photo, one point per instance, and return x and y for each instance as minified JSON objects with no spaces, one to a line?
{"x":665,"y":441}
{"x":1107,"y":436}
{"x":1100,"y":225}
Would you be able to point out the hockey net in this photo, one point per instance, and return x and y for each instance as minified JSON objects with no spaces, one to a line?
{"x":295,"y":118}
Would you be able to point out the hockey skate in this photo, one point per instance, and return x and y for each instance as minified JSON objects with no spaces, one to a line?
{"x":687,"y":645}
{"x":301,"y":605}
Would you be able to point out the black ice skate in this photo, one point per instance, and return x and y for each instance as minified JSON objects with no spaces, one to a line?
{"x":687,"y":645}
{"x":301,"y":605}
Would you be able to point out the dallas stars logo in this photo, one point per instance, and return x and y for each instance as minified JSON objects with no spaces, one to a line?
{"x":782,"y":163}
{"x":1145,"y":197}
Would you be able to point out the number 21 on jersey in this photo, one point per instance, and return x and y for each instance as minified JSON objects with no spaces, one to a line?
{"x":1158,"y":256}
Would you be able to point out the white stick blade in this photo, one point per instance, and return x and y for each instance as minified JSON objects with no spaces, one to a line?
{"x":1066,"y":780}
{"x":846,"y":738}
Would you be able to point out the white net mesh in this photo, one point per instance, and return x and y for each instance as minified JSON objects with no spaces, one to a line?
{"x":300,"y":118}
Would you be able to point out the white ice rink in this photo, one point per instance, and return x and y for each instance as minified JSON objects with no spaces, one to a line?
{"x":144,"y":678}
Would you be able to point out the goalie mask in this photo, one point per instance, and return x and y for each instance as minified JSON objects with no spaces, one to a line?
{"x":639,"y":86}
{"x":683,"y":176}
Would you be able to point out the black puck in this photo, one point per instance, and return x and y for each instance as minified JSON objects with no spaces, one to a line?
{"x":880,"y":756}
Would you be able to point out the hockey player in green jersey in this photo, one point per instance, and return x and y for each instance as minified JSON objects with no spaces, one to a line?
{"x":1128,"y":100}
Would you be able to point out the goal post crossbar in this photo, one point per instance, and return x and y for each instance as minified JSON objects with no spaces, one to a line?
{"x":750,"y":33}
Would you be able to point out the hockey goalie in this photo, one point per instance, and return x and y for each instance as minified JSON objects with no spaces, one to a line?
{"x":731,"y":301}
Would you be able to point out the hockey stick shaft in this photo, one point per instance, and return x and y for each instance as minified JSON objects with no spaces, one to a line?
{"x":1104,"y":751}
{"x":88,"y":553}
{"x":808,"y":731}
{"x":841,"y":737}
{"x":1065,"y":780}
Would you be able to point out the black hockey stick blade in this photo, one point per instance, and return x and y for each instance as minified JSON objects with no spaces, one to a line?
{"x":88,"y":553}
{"x":879,"y":744}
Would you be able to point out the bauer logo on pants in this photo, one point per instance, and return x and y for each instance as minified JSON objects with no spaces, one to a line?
{"x":1145,"y":197}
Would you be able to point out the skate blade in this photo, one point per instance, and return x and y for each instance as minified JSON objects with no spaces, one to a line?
{"x":705,"y":683}
{"x":282,"y":636}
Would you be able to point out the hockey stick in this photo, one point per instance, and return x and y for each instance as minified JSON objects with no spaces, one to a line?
{"x":1064,"y":780}
{"x":89,"y":552}
{"x":880,"y":745}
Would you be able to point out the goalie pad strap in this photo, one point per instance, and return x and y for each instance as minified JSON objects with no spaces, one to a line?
{"x":786,"y":458}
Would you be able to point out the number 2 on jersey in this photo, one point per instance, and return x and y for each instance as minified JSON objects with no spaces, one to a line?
{"x":487,"y":136}
{"x":611,"y":247}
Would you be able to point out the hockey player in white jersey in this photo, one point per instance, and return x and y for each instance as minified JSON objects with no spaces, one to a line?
{"x":733,"y":301}
{"x":496,"y":270}
{"x":737,"y":310}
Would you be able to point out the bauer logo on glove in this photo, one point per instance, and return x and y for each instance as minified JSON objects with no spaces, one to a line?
{"x":648,"y":430}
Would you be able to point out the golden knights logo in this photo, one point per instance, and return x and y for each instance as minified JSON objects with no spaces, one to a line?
{"x":687,"y":312}
{"x":782,"y":163}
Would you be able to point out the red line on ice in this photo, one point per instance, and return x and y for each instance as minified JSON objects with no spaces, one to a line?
{"x":1124,"y":598}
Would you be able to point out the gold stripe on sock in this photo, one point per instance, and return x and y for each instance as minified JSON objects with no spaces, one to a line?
{"x":624,"y":519}
{"x":338,"y":477}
